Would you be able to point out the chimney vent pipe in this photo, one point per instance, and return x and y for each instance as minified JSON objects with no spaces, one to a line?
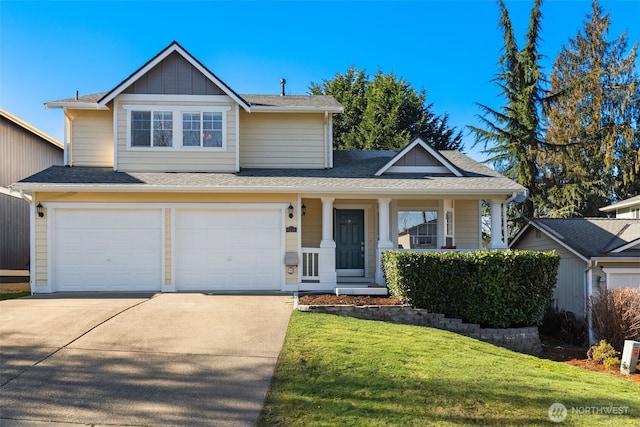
{"x":282,"y":83}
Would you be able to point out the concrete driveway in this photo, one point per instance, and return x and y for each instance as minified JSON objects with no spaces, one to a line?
{"x":138,"y":360}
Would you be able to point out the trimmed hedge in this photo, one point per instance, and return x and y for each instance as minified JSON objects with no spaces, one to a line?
{"x":496,"y":289}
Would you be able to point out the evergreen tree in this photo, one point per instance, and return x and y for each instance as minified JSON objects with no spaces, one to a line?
{"x":384,"y":113}
{"x":349,"y":89}
{"x":595,"y":121}
{"x":514,"y":131}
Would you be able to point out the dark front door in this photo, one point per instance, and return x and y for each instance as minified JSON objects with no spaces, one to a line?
{"x":350,"y":242}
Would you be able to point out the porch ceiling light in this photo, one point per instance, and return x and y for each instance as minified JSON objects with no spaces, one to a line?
{"x":290,"y":209}
{"x":40,"y":210}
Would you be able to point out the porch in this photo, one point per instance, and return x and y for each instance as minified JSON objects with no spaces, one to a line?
{"x":342,"y":240}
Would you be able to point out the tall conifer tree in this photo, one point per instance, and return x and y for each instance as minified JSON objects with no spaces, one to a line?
{"x":595,"y":119}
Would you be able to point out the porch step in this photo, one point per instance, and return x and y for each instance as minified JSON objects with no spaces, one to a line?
{"x":368,"y":290}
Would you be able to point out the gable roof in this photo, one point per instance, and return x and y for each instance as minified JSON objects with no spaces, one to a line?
{"x":267,"y":103}
{"x":622,"y":204}
{"x":353,"y":172}
{"x":589,"y":237}
{"x":442,"y":164}
{"x":173,"y":47}
{"x":51,"y":140}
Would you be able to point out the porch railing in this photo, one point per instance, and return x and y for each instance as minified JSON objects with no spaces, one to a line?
{"x":310,"y":263}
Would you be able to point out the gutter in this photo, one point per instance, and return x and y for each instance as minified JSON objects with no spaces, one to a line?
{"x":144,"y":188}
{"x":17,"y":194}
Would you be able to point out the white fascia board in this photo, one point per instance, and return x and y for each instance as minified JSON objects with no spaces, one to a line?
{"x":142,"y":188}
{"x":617,"y":259}
{"x":73,"y":105}
{"x":634,"y":201}
{"x":626,"y":246}
{"x":278,"y":109}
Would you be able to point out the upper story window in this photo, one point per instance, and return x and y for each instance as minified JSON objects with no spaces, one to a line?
{"x":145,"y":130}
{"x":202,"y":129}
{"x":175,"y":127}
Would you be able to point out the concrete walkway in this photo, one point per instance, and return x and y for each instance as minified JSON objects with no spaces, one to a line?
{"x":138,"y":360}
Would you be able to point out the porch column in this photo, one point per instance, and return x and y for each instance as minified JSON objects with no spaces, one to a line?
{"x":384,"y":238}
{"x":497,"y":241}
{"x":327,"y":257}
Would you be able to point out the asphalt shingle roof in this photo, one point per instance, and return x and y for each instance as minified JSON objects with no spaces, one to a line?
{"x":593,"y":237}
{"x":289,"y":101}
{"x":353,"y":171}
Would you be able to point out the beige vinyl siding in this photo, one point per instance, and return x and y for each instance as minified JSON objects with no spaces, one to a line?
{"x":467,"y":224}
{"x":282,"y":140}
{"x":312,"y":224}
{"x":41,"y":272}
{"x":91,"y":137}
{"x":570,"y":289}
{"x":177,"y":159}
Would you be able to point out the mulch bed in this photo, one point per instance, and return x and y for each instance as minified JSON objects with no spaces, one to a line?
{"x":551,"y":349}
{"x":331,"y":299}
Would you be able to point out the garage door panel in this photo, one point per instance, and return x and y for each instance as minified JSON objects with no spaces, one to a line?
{"x":110,"y":249}
{"x":236,"y":249}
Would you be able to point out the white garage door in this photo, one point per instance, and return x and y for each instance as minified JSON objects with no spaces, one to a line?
{"x":228,"y":249}
{"x":107,"y":250}
{"x":624,"y":280}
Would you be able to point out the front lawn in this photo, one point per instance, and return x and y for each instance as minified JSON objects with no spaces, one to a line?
{"x":338,"y":371}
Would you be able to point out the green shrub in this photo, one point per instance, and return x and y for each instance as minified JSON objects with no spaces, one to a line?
{"x":497,"y":289}
{"x":603,"y":353}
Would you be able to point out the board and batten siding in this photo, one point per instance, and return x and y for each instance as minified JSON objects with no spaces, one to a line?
{"x":91,"y":138}
{"x":177,"y":159}
{"x":569,"y":293}
{"x":467,"y":224}
{"x":282,"y":140}
{"x":22,"y":154}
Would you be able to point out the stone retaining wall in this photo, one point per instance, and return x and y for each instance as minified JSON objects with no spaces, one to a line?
{"x":523,"y":340}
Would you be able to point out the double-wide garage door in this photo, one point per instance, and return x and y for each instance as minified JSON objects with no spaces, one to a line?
{"x":206,"y":249}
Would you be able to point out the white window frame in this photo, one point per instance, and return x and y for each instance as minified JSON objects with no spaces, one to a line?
{"x":433,"y":236}
{"x":177,"y":125}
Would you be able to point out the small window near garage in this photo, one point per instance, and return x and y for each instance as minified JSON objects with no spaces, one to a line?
{"x":417,"y":229}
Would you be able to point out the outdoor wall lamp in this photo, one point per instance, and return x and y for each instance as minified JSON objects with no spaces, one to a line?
{"x":39,"y":210}
{"x":303,"y":209}
{"x":290,"y":209}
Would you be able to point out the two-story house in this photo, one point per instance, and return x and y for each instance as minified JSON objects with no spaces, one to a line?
{"x":174,"y":182}
{"x":628,"y":208}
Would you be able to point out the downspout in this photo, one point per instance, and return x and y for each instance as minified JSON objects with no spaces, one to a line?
{"x":588,"y":279}
{"x":325,"y":125}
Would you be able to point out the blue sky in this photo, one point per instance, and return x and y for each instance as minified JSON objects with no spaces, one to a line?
{"x":50,"y":49}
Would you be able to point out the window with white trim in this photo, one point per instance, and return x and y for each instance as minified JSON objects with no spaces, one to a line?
{"x":151,"y":126}
{"x":202,"y":129}
{"x":418,"y":229}
{"x":176,"y":127}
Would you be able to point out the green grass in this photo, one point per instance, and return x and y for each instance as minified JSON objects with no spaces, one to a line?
{"x":11,"y":295}
{"x":337,"y":371}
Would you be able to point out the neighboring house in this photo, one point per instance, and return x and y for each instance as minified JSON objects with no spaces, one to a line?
{"x":24,"y":150}
{"x":629,"y":208}
{"x":178,"y":183}
{"x":595,"y":252}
